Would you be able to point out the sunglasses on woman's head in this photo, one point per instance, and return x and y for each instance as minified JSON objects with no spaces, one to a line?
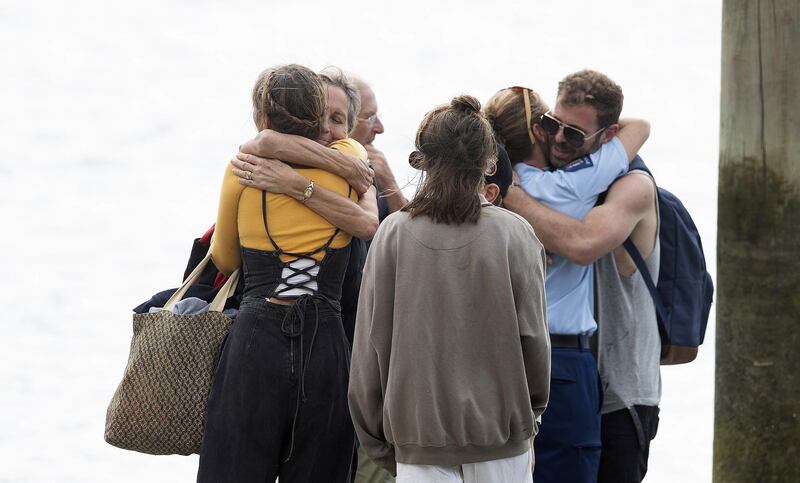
{"x":526,"y":99}
{"x":574,"y":136}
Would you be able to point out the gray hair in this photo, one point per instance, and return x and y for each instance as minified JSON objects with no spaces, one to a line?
{"x":336,"y":77}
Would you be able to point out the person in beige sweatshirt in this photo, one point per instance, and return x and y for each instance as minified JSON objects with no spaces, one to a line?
{"x":451,"y":357}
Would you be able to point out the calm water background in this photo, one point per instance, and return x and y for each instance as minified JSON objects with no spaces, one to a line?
{"x":117,"y":120}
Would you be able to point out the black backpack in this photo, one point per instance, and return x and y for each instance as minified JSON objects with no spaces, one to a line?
{"x":684,"y":291}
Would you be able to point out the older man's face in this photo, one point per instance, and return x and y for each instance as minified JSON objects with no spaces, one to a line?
{"x":369,"y":125}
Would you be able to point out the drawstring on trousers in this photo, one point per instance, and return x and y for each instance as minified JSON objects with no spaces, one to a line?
{"x":296,"y":314}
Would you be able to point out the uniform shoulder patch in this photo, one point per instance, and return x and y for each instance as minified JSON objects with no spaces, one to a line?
{"x":579,"y":164}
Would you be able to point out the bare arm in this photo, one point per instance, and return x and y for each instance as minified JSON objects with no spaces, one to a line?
{"x":358,"y":219}
{"x":305,"y":152}
{"x":384,"y":179}
{"x":604,"y":228}
{"x":633,"y":133}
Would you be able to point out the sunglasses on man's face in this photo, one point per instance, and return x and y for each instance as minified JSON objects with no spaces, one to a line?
{"x":574,"y":136}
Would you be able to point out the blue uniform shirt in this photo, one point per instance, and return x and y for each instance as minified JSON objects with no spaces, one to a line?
{"x":573,"y":191}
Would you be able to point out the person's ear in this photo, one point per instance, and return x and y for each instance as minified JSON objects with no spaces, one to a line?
{"x":492,"y":192}
{"x":610,"y":132}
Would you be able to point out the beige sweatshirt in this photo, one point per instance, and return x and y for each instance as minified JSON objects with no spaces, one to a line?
{"x":451,"y":356}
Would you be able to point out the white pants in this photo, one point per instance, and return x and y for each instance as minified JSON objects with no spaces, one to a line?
{"x":516,"y":469}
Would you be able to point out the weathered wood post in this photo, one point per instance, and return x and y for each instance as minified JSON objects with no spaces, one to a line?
{"x":757,"y":406}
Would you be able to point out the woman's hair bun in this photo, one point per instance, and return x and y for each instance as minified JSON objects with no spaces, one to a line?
{"x":415,"y":159}
{"x":465,"y":103}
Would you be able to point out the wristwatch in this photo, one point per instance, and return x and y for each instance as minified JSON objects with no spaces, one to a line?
{"x":309,"y":191}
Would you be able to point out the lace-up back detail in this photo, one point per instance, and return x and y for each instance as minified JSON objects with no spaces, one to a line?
{"x":299,"y":275}
{"x":296,"y":228}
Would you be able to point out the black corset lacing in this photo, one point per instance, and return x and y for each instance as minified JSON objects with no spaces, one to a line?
{"x":294,"y":321}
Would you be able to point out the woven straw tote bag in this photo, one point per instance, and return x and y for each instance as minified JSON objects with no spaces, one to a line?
{"x":159,"y":407}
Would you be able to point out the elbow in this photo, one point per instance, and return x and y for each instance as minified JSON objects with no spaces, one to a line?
{"x":581,"y":252}
{"x":645,"y":128}
{"x":367,"y":228}
{"x":224,"y":262}
{"x":642,"y":128}
{"x":584,"y":256}
{"x":228,"y":270}
{"x":224,"y":267}
{"x":634,"y":133}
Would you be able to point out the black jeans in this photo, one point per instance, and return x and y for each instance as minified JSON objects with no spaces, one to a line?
{"x":278,"y":404}
{"x":626,"y":436}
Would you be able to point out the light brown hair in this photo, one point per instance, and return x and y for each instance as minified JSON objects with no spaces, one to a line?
{"x":595,"y":89}
{"x":454,"y":144}
{"x":506,"y":111}
{"x":292,"y":97}
{"x":335,"y":77}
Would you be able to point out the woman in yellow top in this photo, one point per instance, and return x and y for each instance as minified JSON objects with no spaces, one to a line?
{"x":278,"y":405}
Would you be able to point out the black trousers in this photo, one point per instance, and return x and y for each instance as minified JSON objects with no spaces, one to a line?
{"x":626,"y":436}
{"x":278,"y":404}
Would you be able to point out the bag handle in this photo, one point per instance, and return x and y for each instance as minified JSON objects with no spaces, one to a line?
{"x":190,"y":280}
{"x":218,"y":304}
{"x":219,"y":301}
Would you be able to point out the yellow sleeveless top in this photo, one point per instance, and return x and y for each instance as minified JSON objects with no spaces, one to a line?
{"x":293,"y":226}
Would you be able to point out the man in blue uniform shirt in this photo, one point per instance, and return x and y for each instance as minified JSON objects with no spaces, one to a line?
{"x":589,"y":147}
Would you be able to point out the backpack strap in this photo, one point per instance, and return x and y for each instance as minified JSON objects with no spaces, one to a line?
{"x":648,"y":280}
{"x":636,"y":163}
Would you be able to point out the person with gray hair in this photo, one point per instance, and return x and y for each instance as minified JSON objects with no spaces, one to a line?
{"x":263,"y":161}
{"x":259,"y":160}
{"x":390,"y":197}
{"x":278,"y":403}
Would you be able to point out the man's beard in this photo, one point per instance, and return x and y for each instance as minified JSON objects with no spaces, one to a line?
{"x":567,"y":154}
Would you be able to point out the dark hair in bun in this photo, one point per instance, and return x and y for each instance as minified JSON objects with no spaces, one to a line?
{"x":466,"y":104}
{"x":454,"y":144}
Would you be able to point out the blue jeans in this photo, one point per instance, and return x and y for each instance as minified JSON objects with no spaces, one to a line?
{"x":278,"y":404}
{"x":567,"y":447}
